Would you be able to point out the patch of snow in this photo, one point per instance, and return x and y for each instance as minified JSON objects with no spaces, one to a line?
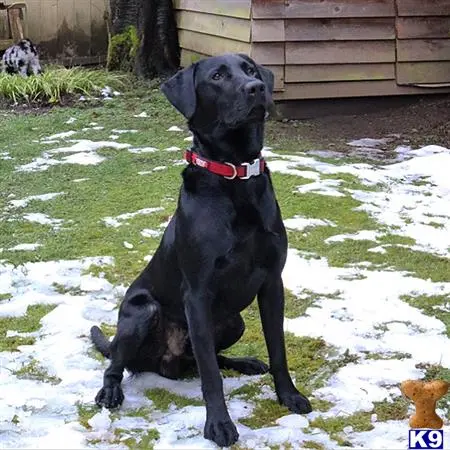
{"x":85,"y":154}
{"x":5,"y":156}
{"x":117,"y":221}
{"x":71,"y":120}
{"x":80,"y":180}
{"x":367,"y":300}
{"x":128,"y":245}
{"x":145,"y":172}
{"x":97,"y":128}
{"x":147,"y":232}
{"x":300,"y":223}
{"x":143,"y":150}
{"x":42,"y":197}
{"x":58,"y":136}
{"x":159,"y":168}
{"x":363,"y":235}
{"x":43,"y":219}
{"x":114,"y":137}
{"x":189,"y":139}
{"x":172,"y":149}
{"x":124,"y":131}
{"x":368,"y":142}
{"x":323,"y":187}
{"x":25,"y":247}
{"x":175,"y":128}
{"x":142,"y":114}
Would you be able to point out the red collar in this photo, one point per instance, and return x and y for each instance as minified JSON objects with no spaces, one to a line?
{"x":229,"y":171}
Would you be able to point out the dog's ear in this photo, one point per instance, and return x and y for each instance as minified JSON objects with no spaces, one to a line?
{"x":266,"y":74}
{"x":180,"y":91}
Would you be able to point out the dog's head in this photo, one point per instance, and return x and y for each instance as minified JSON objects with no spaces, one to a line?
{"x":231,"y":90}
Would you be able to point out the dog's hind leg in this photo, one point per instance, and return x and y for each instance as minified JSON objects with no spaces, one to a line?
{"x":139,"y":315}
{"x":228,"y":334}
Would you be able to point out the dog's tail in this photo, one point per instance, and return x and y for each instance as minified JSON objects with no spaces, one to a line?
{"x":100,"y":341}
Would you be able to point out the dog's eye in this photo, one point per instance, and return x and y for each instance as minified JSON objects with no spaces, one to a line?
{"x":251,"y":71}
{"x":217,"y":76}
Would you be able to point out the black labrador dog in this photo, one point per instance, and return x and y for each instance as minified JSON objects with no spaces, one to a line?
{"x":225,"y":245}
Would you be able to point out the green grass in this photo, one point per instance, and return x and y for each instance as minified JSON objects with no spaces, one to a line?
{"x":394,"y":410}
{"x":434,"y":306}
{"x":34,"y":371}
{"x":139,"y":439}
{"x":162,"y":399}
{"x":85,"y":413}
{"x":24,"y":324}
{"x":56,"y":83}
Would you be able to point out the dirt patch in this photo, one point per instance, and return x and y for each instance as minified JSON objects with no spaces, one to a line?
{"x":423,"y":121}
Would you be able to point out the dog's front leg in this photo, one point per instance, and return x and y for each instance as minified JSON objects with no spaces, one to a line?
{"x":271,"y":307}
{"x":219,"y":426}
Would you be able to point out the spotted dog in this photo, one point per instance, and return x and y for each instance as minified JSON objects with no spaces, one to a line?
{"x":21,"y":58}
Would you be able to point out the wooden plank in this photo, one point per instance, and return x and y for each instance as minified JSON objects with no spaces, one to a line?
{"x":65,"y":26}
{"x":34,"y":13}
{"x":83,"y":27}
{"x":230,"y":8}
{"x":271,"y":53}
{"x":339,"y":72}
{"x":5,"y":43}
{"x":278,"y":72}
{"x":340,"y":29}
{"x":210,"y":45}
{"x":342,"y":8}
{"x":48,"y":20}
{"x":423,"y":27}
{"x":273,"y":9}
{"x":423,"y":72}
{"x":189,"y":57}
{"x":423,"y":7}
{"x":296,"y":91}
{"x":268,"y":30}
{"x":340,"y":52}
{"x":423,"y":50}
{"x":227,"y":27}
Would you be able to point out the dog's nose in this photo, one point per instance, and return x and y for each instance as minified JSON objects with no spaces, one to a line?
{"x":255,"y":88}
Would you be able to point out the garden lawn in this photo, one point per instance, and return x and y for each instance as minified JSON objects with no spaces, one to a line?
{"x":85,"y":195}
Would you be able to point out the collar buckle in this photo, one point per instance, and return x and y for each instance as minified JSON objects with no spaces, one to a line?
{"x":253,"y":169}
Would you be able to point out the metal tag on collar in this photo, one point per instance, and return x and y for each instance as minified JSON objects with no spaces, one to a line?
{"x":253,"y":169}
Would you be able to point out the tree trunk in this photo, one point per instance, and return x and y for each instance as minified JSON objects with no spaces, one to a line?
{"x":158,"y":54}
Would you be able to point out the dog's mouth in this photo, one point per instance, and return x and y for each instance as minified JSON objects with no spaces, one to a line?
{"x":257,"y":114}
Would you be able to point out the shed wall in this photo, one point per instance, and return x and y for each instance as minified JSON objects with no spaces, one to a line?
{"x":69,"y":31}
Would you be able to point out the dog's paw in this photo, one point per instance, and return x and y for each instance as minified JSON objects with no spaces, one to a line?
{"x":110,"y":397}
{"x":222,"y":432}
{"x":250,"y":366}
{"x":296,"y":402}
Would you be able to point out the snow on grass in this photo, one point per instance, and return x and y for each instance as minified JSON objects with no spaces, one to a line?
{"x":25,"y":247}
{"x":58,"y":136}
{"x":42,"y":197}
{"x":143,"y":150}
{"x":147,"y":232}
{"x":142,"y":114}
{"x":5,"y":156}
{"x":120,"y":219}
{"x":363,"y":235}
{"x":43,"y":219}
{"x":174,"y":128}
{"x":300,"y":223}
{"x":83,"y":153}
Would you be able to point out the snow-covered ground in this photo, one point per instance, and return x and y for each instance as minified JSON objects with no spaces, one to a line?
{"x":366,"y":314}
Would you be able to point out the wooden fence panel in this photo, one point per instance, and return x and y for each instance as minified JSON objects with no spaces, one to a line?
{"x":344,"y":52}
{"x":423,"y":50}
{"x":342,"y":8}
{"x":230,"y":8}
{"x":340,"y":29}
{"x":222,"y":26}
{"x":339,"y":72}
{"x":423,"y":7}
{"x":423,"y":72}
{"x":271,"y":30}
{"x":423,"y":27}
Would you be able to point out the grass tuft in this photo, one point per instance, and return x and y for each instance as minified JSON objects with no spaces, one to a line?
{"x":24,"y":324}
{"x":162,"y":399}
{"x":56,"y":83}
